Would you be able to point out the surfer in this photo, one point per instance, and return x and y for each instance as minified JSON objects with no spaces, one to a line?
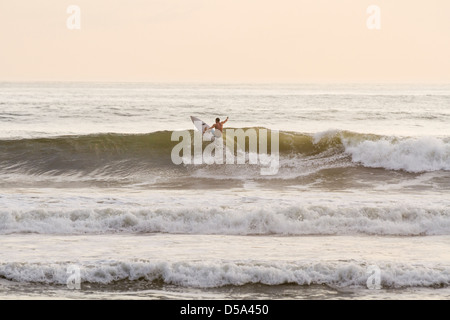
{"x":218,"y":125}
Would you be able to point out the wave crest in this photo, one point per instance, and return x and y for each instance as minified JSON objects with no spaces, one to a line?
{"x":390,"y":220}
{"x":223,"y":273}
{"x":122,"y":155}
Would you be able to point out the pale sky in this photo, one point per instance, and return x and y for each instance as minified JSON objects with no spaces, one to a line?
{"x":225,"y":41}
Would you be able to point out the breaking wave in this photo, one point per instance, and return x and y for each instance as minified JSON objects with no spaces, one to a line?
{"x":116,"y":156}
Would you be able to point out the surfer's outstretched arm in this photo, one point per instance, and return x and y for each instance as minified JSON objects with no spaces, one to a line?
{"x":206,"y":129}
{"x":223,"y":122}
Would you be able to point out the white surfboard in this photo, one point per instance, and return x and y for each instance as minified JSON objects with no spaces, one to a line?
{"x":200,"y":125}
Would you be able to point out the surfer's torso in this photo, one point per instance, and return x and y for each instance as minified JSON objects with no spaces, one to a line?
{"x":218,"y":126}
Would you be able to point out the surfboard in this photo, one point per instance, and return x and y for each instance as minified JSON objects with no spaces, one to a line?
{"x":200,"y":125}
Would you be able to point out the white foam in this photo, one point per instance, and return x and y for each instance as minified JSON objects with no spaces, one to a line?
{"x":421,"y":154}
{"x":242,"y":218}
{"x":208,"y":274}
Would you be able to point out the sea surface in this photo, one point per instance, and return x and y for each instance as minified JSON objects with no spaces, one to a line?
{"x":358,"y":208}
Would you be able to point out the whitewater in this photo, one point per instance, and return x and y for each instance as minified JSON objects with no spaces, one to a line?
{"x":87,"y":180}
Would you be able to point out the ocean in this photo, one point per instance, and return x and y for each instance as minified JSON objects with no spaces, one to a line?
{"x":93,"y":207}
